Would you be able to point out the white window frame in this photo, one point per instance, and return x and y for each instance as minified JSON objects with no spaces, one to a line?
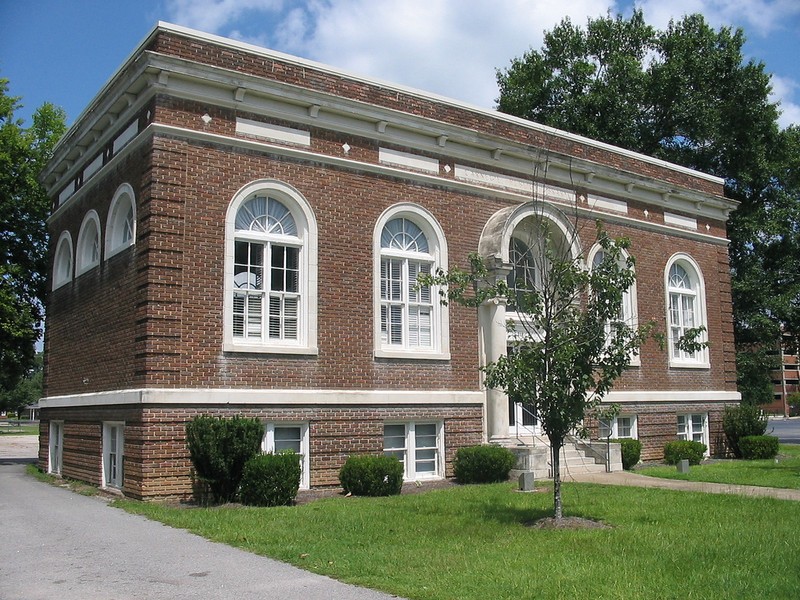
{"x":306,"y":241}
{"x":437,"y":258}
{"x":613,"y":426}
{"x":689,"y":432}
{"x":409,"y":466}
{"x":64,"y":261}
{"x":123,"y":202}
{"x":89,"y":248}
{"x":516,"y":228}
{"x":630,"y":304}
{"x":268,"y":446}
{"x":113,"y":471}
{"x":55,"y":455}
{"x":699,"y":359}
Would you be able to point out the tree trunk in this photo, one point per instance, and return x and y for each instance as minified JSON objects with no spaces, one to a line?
{"x":555,"y":456}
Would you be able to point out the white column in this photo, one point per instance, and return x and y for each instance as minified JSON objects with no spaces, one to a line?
{"x":492,"y":320}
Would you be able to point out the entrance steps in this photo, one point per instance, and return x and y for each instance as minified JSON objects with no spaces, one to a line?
{"x":577,"y":457}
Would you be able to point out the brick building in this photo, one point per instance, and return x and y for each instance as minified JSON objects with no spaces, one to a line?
{"x":237,"y":231}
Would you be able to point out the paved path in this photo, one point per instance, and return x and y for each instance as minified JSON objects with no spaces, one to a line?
{"x":637,"y":480}
{"x":56,"y":544}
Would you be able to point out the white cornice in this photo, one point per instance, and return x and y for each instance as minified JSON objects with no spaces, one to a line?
{"x":146,"y":73}
{"x":262,"y":397}
{"x":349,"y":164}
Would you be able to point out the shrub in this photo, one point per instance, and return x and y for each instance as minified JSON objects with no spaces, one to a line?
{"x":741,"y":421}
{"x":631,"y":452}
{"x":219,"y":449}
{"x":793,"y":400}
{"x":483,"y":464}
{"x":676,"y":451}
{"x":369,"y":475}
{"x":270,"y":479}
{"x":755,"y":447}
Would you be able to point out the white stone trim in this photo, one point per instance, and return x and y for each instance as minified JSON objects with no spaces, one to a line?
{"x":596,"y":202}
{"x":670,"y":397}
{"x":680,"y":220}
{"x":405,"y":159}
{"x":269,"y":131}
{"x":251,"y":397}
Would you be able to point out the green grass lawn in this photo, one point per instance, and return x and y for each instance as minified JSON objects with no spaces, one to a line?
{"x":470,"y":542}
{"x":782,"y":472}
{"x":7,"y":428}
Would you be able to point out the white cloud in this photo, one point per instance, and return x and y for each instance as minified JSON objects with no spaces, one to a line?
{"x":760,"y":17}
{"x":448,"y":47}
{"x":784,"y":91}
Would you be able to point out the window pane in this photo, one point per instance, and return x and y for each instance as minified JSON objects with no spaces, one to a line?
{"x":288,"y":438}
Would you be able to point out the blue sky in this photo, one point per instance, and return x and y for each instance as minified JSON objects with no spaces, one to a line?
{"x":63,"y":51}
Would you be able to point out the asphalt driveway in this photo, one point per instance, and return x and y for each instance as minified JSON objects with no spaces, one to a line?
{"x":56,"y":544}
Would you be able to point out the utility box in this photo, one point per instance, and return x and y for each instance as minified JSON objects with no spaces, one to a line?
{"x":527,"y":482}
{"x":683,"y":466}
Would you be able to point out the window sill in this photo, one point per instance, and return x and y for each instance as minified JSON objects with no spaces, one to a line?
{"x":266,"y":349}
{"x":689,"y":365}
{"x":411,"y":354}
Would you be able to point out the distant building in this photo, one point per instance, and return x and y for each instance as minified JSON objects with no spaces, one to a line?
{"x":237,"y":231}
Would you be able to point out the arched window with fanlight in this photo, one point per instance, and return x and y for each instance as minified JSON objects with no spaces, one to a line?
{"x":270,"y":271}
{"x":686,"y":310}
{"x":121,"y":223}
{"x":627,"y":315}
{"x":62,"y":264}
{"x":410,"y":319}
{"x":88,"y":250}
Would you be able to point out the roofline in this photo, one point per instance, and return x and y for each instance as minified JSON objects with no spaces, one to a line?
{"x":163,"y":26}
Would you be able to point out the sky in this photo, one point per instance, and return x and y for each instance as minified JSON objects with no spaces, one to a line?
{"x":64,"y":51}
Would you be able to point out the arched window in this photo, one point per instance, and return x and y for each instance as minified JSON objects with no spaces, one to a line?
{"x":121,"y":224}
{"x":686,"y":309}
{"x":62,"y":265}
{"x":88,"y":251}
{"x":628,"y":313}
{"x":410,"y":321}
{"x":270,"y":271}
{"x":536,"y":238}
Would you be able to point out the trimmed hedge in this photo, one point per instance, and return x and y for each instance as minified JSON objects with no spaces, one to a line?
{"x":483,"y":464}
{"x":372,"y":475}
{"x":676,"y":451}
{"x":271,"y":479}
{"x":631,"y":452}
{"x":219,"y":449}
{"x":742,"y":421}
{"x":755,"y":447}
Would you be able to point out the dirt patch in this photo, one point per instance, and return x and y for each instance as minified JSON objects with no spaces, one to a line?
{"x":566,"y":523}
{"x":306,"y":496}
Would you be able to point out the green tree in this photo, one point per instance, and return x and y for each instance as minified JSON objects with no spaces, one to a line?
{"x":565,"y":353}
{"x":686,"y":95}
{"x":24,"y":207}
{"x":27,"y":391}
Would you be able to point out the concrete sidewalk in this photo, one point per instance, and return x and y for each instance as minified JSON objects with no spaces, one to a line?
{"x":59,"y":544}
{"x":636,"y":480}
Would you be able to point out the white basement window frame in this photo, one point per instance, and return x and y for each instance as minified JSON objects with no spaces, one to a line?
{"x":419,"y":446}
{"x":619,"y":427}
{"x":55,"y":459}
{"x":280,"y":436}
{"x":113,"y":454}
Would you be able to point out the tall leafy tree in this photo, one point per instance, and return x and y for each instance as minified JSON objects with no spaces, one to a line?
{"x":687,"y":95}
{"x":568,"y":345}
{"x":24,"y":207}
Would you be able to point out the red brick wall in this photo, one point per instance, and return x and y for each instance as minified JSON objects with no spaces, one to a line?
{"x":156,"y":459}
{"x":305,"y":77}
